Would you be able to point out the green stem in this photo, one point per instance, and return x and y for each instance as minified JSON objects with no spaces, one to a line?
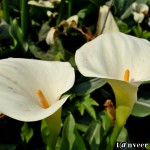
{"x":69,"y":8}
{"x":61,"y":10}
{"x":54,"y":125}
{"x":24,"y":17}
{"x":6,"y":11}
{"x":114,"y":136}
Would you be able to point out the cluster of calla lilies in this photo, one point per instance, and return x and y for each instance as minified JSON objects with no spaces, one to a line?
{"x":31,"y":90}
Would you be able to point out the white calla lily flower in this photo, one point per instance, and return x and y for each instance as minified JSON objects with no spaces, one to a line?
{"x":123,"y":61}
{"x":106,"y":21}
{"x":31,"y":90}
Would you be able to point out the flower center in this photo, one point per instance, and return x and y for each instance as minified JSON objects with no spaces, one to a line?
{"x":126,"y":75}
{"x":43,"y":99}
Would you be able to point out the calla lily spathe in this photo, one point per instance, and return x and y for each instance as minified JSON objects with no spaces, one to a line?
{"x":106,"y":21}
{"x":111,"y":56}
{"x":24,"y":81}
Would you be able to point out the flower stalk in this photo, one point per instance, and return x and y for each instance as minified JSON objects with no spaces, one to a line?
{"x":61,"y":9}
{"x":112,"y":141}
{"x":24,"y":17}
{"x":69,"y":7}
{"x":54,"y":125}
{"x":6,"y":10}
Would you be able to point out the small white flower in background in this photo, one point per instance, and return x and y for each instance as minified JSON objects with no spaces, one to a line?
{"x":31,"y":90}
{"x":49,"y":13}
{"x":50,"y":38}
{"x":71,"y":19}
{"x":139,"y":11}
{"x":43,"y":3}
{"x":106,"y":22}
{"x":123,"y":61}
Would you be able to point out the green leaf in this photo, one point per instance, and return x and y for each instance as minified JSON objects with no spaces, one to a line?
{"x":43,"y":32}
{"x":87,"y":104}
{"x":55,"y":53}
{"x":5,"y":37}
{"x":38,"y":53}
{"x":142,"y":1}
{"x":138,"y":31}
{"x":82,"y":13}
{"x":148,"y":147}
{"x":122,"y":6}
{"x":44,"y":131}
{"x":82,"y":127}
{"x":141,"y":108}
{"x":123,"y":135}
{"x":88,"y":86}
{"x":98,"y":131}
{"x":19,"y":42}
{"x":123,"y":27}
{"x":71,"y":139}
{"x":146,"y":34}
{"x":93,"y":134}
{"x":50,"y":129}
{"x":127,"y":13}
{"x":7,"y":147}
{"x":26,"y":133}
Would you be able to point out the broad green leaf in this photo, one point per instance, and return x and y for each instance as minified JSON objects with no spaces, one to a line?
{"x":127,"y":13}
{"x":106,"y":119}
{"x":82,"y":127}
{"x":71,"y":139}
{"x":19,"y":42}
{"x":26,"y":133}
{"x":122,"y":5}
{"x":98,"y":131}
{"x":58,"y":144}
{"x":141,"y":108}
{"x":87,"y":104}
{"x":93,"y":135}
{"x":88,"y":86}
